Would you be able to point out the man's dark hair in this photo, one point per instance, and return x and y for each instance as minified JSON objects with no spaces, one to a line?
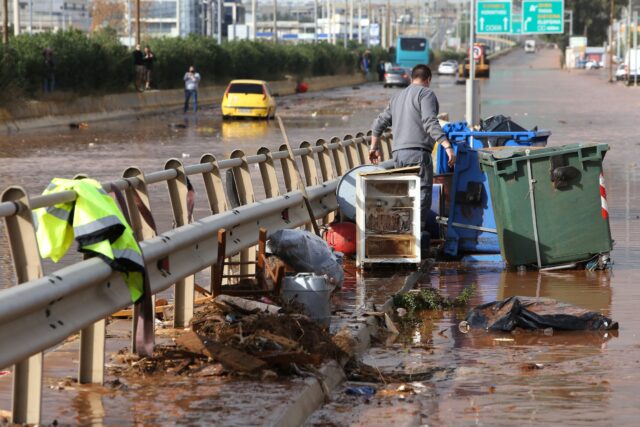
{"x":422,"y":72}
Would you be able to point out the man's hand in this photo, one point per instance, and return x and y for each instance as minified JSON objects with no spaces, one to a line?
{"x":451,"y":154}
{"x":374,"y":151}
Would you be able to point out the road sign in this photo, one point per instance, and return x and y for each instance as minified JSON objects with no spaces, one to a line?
{"x":493,"y":17}
{"x":516,"y":24}
{"x":477,"y":52}
{"x":542,"y":17}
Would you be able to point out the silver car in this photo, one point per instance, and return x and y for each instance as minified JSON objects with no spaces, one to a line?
{"x":397,"y":76}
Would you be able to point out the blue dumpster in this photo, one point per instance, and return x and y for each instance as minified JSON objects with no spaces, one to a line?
{"x":471,"y":224}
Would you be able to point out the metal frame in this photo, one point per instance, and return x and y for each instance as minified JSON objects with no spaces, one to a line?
{"x":41,"y":312}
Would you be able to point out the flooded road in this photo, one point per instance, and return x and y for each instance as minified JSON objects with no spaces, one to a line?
{"x":479,"y":378}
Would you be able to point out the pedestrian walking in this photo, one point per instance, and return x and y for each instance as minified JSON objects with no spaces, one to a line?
{"x":139,"y":68}
{"x":49,"y":70}
{"x":413,"y":113}
{"x":191,"y":81}
{"x":380,"y":70}
{"x":149,"y":59}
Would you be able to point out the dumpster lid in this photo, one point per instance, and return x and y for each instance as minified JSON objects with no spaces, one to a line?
{"x":488,"y":155}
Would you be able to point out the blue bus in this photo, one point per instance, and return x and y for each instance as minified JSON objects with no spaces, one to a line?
{"x":411,"y":51}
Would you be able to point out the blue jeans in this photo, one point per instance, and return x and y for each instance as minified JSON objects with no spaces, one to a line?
{"x":187,"y":97}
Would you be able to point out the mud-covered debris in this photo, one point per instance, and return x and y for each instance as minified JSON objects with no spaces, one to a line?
{"x":431,"y":299}
{"x":261,"y":337}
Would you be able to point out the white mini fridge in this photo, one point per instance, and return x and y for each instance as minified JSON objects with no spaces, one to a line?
{"x":388,"y":217}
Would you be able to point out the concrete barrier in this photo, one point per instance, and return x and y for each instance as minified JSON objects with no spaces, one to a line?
{"x":25,"y":115}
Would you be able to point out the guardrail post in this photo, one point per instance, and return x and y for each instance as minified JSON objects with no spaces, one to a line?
{"x":141,"y":230}
{"x":309,"y":165}
{"x":363,"y":149}
{"x":27,"y":374}
{"x":339,"y":157}
{"x":386,"y":146}
{"x":324,"y":159}
{"x":245,"y":195}
{"x":352,"y":151}
{"x":289,"y":166}
{"x":217,"y":202}
{"x":268,"y":173}
{"x":184,"y":289}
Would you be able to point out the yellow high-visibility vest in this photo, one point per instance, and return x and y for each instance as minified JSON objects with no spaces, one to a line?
{"x":98,"y":226}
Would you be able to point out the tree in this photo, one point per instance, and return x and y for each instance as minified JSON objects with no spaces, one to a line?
{"x":108,"y":13}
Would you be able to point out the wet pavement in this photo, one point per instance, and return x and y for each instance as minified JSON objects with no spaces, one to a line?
{"x":479,"y":378}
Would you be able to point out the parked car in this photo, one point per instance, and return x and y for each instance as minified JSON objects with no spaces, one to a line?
{"x":397,"y":76}
{"x":248,"y":98}
{"x":448,"y":68}
{"x":592,"y":65}
{"x":621,"y":72}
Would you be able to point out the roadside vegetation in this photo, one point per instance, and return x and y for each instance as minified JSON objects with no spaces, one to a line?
{"x":99,"y":63}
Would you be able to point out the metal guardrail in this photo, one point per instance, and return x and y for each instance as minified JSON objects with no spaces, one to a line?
{"x":42,"y":311}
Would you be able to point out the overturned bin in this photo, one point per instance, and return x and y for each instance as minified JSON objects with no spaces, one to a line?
{"x":549,"y":203}
{"x":471,"y":226}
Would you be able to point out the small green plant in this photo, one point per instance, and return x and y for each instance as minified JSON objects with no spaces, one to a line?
{"x":431,"y":299}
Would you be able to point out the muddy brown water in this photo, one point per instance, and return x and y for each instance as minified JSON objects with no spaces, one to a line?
{"x":587,"y":379}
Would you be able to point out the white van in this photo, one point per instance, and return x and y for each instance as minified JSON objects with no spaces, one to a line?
{"x":631,"y":59}
{"x":530,"y":46}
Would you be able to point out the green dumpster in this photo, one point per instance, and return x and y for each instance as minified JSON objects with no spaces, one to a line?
{"x":547,"y":203}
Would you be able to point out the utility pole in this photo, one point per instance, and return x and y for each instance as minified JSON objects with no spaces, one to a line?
{"x":472,"y":87}
{"x":253,"y":20}
{"x":275,"y":21}
{"x":5,"y":22}
{"x":178,"y":17}
{"x":16,"y":17}
{"x":137,"y":21}
{"x":346,"y":24}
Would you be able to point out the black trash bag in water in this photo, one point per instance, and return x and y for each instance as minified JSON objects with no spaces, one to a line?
{"x":536,"y":313}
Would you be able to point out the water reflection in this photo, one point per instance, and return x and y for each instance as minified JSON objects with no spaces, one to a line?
{"x":243,"y":129}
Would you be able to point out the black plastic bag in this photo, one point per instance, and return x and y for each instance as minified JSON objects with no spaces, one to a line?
{"x":536,"y":313}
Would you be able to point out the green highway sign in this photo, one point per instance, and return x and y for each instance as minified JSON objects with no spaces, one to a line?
{"x":542,"y":17}
{"x":493,"y":17}
{"x":516,"y":24}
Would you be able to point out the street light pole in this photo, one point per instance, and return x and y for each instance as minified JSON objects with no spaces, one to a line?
{"x":472,"y":87}
{"x":315,"y":21}
{"x":16,"y":17}
{"x":220,"y":17}
{"x":5,"y":22}
{"x":253,"y":20}
{"x":610,"y":42}
{"x":275,"y":21}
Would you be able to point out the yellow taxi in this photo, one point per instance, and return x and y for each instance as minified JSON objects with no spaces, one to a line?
{"x":248,"y":98}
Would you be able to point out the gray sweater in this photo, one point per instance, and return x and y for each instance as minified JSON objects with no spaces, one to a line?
{"x":414,"y":114}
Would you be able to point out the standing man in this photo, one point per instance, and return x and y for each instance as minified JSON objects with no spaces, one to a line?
{"x":414,"y":114}
{"x":149,"y":59}
{"x":49,"y":70}
{"x":138,"y":63}
{"x":191,"y":80}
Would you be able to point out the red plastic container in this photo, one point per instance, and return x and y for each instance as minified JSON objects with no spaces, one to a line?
{"x":341,"y":236}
